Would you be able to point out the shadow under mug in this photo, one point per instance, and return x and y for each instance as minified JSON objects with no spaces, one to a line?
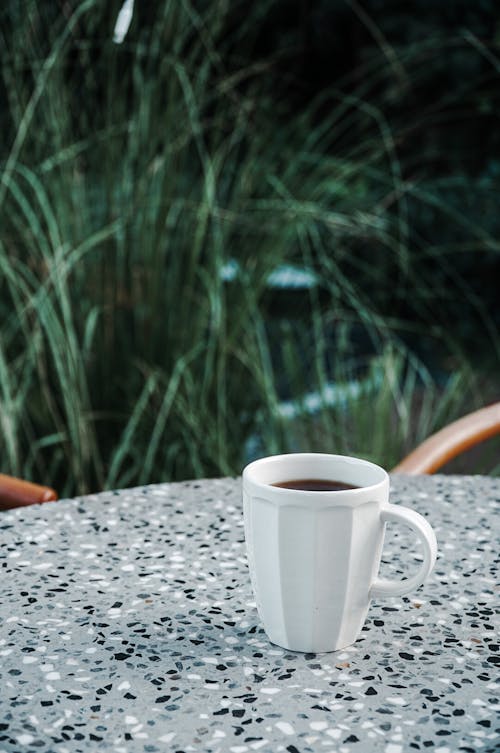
{"x":314,"y":555}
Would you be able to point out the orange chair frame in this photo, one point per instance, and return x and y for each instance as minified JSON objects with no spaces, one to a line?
{"x":14,"y":492}
{"x":451,"y":441}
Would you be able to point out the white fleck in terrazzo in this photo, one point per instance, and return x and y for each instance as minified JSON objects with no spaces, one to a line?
{"x":127,"y":623}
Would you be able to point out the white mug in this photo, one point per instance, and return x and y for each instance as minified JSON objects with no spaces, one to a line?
{"x":314,"y":555}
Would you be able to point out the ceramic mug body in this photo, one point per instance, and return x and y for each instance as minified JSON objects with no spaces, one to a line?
{"x":314,"y":556}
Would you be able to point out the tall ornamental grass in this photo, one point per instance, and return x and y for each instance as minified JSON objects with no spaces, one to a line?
{"x":149,"y":192}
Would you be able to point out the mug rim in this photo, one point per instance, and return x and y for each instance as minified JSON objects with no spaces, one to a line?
{"x":248,"y":476}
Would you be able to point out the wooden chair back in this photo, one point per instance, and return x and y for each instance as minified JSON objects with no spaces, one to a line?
{"x":451,"y":441}
{"x":14,"y":492}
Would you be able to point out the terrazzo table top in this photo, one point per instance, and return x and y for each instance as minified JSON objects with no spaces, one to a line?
{"x":127,"y":624}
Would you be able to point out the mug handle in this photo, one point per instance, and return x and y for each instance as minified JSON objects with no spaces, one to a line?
{"x":395,"y":513}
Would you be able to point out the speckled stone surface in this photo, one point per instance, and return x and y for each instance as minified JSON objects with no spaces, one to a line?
{"x":127,"y":623}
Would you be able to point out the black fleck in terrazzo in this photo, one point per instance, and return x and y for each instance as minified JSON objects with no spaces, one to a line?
{"x":127,"y":622}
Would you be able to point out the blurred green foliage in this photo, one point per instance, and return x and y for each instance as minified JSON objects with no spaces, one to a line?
{"x":151,"y":189}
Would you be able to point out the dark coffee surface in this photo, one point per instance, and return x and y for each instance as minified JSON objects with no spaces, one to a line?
{"x":315,"y":485}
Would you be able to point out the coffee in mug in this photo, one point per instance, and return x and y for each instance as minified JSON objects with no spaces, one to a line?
{"x":315,"y":485}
